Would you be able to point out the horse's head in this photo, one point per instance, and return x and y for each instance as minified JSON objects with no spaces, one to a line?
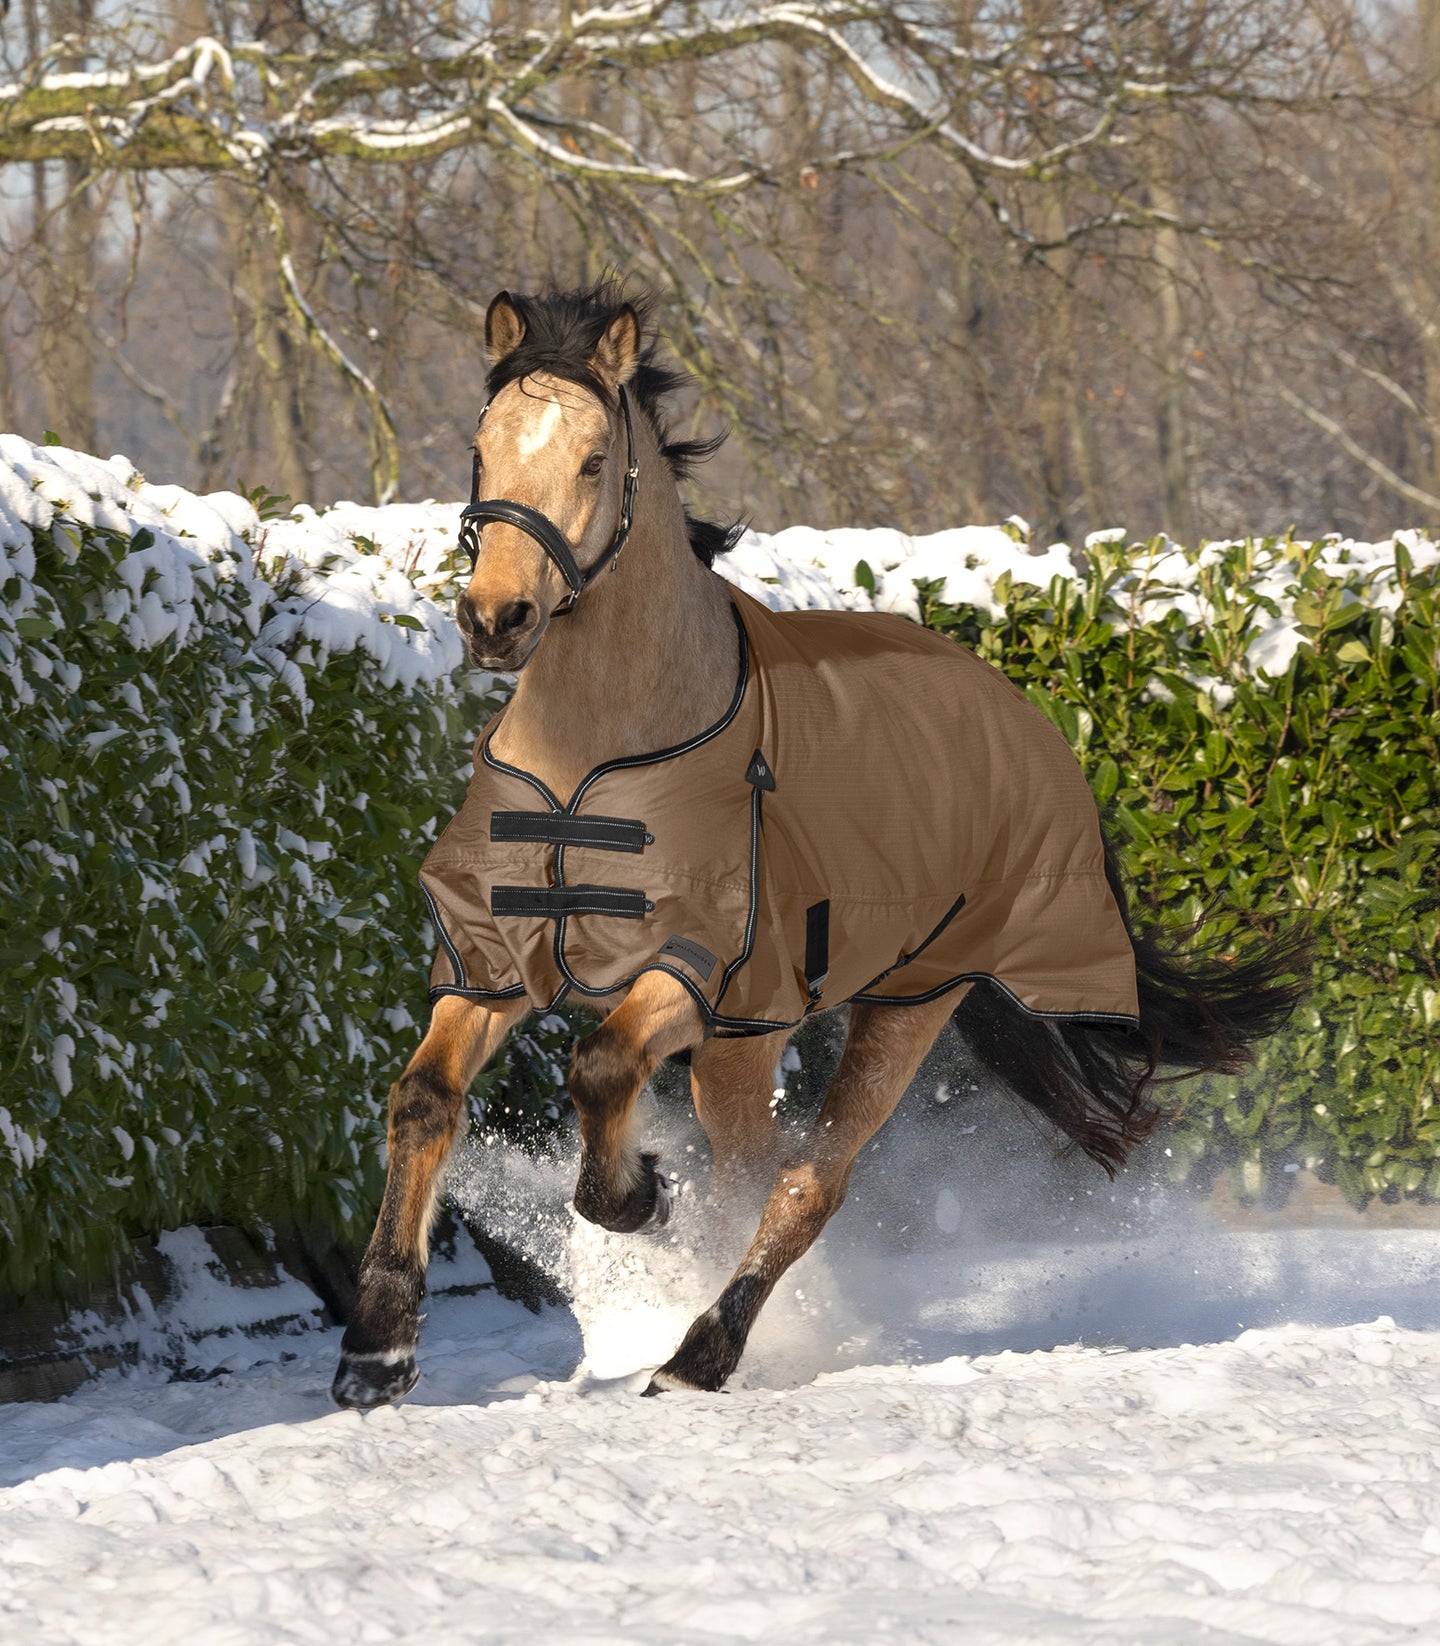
{"x":557,"y":446}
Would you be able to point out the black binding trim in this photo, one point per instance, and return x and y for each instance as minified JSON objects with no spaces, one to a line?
{"x":512,"y":993}
{"x":557,"y":947}
{"x":905,"y":959}
{"x":715,"y":1021}
{"x":604,"y":834}
{"x":456,"y":964}
{"x":1128,"y":1019}
{"x":541,"y":788}
{"x":514,"y":771}
{"x":552,"y":902}
{"x":732,"y":709}
{"x":751,"y":919}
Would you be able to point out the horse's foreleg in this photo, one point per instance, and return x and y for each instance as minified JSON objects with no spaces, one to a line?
{"x":882,"y":1052}
{"x":377,"y":1355}
{"x":618,"y":1187}
{"x":733,"y":1085}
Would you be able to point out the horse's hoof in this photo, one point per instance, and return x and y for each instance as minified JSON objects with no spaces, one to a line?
{"x":661,"y":1214}
{"x":665,"y":1382}
{"x":709,"y":1354}
{"x":364,"y":1381}
{"x":647,"y":1202}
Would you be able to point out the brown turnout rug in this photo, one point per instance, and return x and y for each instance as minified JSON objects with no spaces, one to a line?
{"x":878,"y":816}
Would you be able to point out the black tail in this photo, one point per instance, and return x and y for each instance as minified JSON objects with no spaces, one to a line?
{"x":1200,"y":1011}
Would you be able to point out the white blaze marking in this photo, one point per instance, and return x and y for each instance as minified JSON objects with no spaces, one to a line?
{"x":531,"y":440}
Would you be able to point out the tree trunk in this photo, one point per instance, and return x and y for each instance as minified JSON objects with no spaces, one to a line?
{"x":818,"y":254}
{"x":971,"y":483}
{"x":1172,"y":421}
{"x":1055,"y":390}
{"x":1428,"y":281}
{"x":1172,"y":430}
{"x":66,"y":239}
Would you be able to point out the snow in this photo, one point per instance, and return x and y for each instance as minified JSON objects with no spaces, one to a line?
{"x":381,"y":580}
{"x":801,"y":568}
{"x":1028,"y":1413}
{"x":965,"y":560}
{"x":312,"y":577}
{"x":24,"y":1150}
{"x":1246,"y":1492}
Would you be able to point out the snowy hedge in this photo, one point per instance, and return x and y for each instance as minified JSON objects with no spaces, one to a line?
{"x":229,"y":740}
{"x":226,"y":742}
{"x":1262,"y":719}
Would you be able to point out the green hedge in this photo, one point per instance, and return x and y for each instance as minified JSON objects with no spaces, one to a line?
{"x":1243,"y":800}
{"x":213,"y":945}
{"x":214,"y":951}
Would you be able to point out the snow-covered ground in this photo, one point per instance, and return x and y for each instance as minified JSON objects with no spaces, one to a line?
{"x":994,"y":1406}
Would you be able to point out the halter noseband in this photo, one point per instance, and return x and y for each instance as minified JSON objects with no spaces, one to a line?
{"x":544,"y":530}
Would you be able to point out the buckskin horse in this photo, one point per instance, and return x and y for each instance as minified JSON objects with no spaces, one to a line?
{"x":706,"y":820}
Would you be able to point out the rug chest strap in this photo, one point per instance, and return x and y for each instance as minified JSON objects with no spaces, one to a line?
{"x":551,"y":902}
{"x":606,"y":834}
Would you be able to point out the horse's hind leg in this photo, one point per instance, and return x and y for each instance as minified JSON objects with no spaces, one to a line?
{"x":733,"y":1085}
{"x":377,"y":1355}
{"x":618,"y":1187}
{"x":882,"y":1052}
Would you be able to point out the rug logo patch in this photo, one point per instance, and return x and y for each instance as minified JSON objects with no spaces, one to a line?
{"x":692,"y":954}
{"x":759,"y":773}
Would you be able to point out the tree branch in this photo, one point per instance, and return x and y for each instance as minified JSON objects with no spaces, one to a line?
{"x":1386,"y":476}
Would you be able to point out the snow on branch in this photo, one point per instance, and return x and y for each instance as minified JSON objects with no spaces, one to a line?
{"x":244,"y":106}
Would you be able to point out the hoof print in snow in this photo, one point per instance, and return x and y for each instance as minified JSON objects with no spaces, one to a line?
{"x":366,"y":1380}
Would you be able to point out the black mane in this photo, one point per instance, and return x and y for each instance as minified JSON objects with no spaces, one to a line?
{"x":562,"y":330}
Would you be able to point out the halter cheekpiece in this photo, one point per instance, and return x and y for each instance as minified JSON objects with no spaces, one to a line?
{"x":544,"y":530}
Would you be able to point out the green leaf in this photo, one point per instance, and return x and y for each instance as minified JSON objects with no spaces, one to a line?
{"x":1105,"y":780}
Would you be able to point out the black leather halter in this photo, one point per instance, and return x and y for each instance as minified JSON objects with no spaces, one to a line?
{"x":544,"y":530}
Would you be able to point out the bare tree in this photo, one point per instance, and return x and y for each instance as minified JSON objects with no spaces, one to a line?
{"x":931,"y":260}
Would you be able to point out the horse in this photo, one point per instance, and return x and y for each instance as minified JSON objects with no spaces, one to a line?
{"x":908,"y":837}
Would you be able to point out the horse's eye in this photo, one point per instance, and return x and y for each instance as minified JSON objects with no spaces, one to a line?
{"x":594,"y":463}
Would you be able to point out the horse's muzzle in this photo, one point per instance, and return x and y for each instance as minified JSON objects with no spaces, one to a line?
{"x":504,"y":658}
{"x":506,"y":641}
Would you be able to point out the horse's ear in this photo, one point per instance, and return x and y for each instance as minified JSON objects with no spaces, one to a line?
{"x":504,"y":326}
{"x":618,"y":351}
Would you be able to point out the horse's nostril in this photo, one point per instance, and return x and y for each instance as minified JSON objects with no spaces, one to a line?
{"x":514,"y":616}
{"x":465,"y":616}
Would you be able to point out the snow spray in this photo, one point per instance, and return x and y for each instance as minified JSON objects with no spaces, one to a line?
{"x":965,"y":1232}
